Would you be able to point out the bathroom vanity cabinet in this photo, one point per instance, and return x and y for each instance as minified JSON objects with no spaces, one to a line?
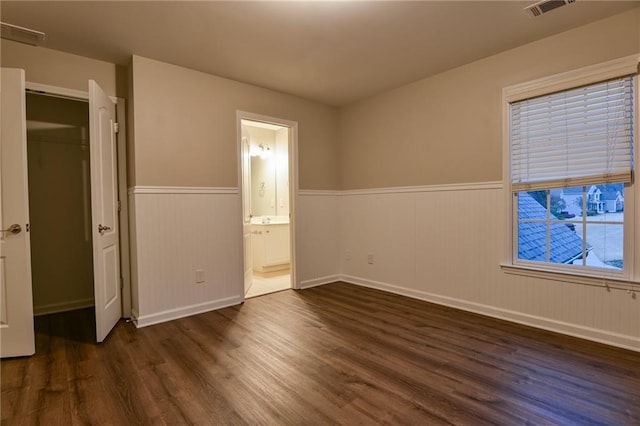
{"x":270,"y":247}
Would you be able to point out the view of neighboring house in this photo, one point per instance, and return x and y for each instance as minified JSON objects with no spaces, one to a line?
{"x":565,"y":246}
{"x":603,"y":199}
{"x":600,"y":199}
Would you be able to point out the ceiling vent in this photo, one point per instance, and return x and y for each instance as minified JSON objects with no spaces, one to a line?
{"x":545,"y":6}
{"x":22,"y":35}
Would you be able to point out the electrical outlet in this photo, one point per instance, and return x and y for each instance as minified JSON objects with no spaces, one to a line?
{"x":199,"y":276}
{"x":370,"y":259}
{"x":347,"y":255}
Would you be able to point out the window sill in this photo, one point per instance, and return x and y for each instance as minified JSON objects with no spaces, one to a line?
{"x":621,"y":283}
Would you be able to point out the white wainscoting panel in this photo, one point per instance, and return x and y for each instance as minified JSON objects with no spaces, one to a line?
{"x":317,"y":259}
{"x":175,"y":233}
{"x":445,"y":245}
{"x":133,"y":254}
{"x":441,"y":244}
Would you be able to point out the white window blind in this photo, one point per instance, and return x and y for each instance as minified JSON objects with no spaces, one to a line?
{"x":576,"y":137}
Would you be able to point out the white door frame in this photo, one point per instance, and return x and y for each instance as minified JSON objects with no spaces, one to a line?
{"x":80,"y":95}
{"x":293,"y":184}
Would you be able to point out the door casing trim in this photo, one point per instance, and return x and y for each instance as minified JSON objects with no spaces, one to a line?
{"x":125,"y":263}
{"x":293,"y":186}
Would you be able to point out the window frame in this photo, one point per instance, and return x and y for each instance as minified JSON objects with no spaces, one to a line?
{"x":573,"y":273}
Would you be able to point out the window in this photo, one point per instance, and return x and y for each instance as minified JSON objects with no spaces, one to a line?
{"x":570,"y":165}
{"x":581,"y":226}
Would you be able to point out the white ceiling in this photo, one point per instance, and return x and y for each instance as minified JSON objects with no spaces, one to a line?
{"x":334,"y":52}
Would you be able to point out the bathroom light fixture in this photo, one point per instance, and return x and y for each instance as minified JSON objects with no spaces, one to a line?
{"x":263,"y":151}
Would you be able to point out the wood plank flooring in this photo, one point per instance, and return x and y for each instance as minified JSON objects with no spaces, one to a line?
{"x":336,"y":354}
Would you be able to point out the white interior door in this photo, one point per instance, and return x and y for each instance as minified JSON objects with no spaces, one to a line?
{"x":246,"y":215}
{"x":104,"y":210}
{"x":16,"y":302}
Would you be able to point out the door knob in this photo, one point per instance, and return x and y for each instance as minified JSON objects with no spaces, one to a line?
{"x":14,"y":229}
{"x":102,"y":228}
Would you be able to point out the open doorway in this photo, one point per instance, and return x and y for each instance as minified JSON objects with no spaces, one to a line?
{"x":53,"y":130}
{"x":59,"y":203}
{"x":266,"y":205}
{"x":73,"y":230}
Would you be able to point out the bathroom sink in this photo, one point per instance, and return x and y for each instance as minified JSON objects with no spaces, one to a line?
{"x":270,"y":220}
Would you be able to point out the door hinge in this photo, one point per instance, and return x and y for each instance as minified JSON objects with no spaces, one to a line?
{"x":116,"y":127}
{"x":27,"y":227}
{"x":121,"y":283}
{"x":119,"y":206}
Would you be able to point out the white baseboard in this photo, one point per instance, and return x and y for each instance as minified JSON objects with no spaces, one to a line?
{"x":600,"y":336}
{"x":319,"y":281}
{"x":172,"y":314}
{"x":55,"y":308}
{"x":587,"y":333}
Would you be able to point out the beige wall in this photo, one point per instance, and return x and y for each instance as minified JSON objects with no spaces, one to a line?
{"x":448,"y":128}
{"x":186,"y":134}
{"x":55,"y":68}
{"x":443,"y":129}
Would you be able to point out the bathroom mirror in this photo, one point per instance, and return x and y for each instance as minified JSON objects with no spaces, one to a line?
{"x":268,"y":156}
{"x":263,"y":187}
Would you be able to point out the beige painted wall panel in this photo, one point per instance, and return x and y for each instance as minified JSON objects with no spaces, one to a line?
{"x":55,"y":68}
{"x":185,"y":130}
{"x":448,"y":128}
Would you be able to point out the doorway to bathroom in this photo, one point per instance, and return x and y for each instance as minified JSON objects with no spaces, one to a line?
{"x":266,"y":147}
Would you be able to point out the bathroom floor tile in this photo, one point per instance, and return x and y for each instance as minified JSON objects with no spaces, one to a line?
{"x":269,"y":282}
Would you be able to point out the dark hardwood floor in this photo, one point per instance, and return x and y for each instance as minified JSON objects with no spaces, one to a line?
{"x":336,"y":354}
